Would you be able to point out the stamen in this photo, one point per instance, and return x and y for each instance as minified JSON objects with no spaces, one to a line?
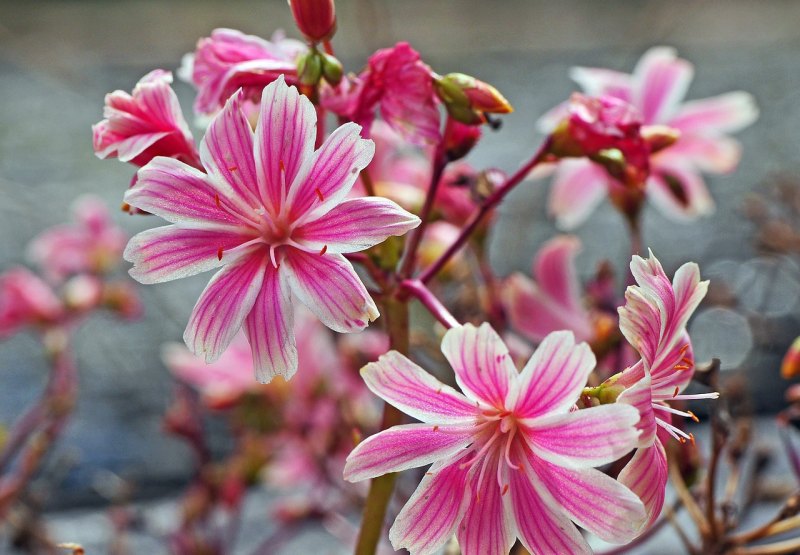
{"x":232,"y":169}
{"x":682,"y":367}
{"x":693,"y":416}
{"x":684,"y":349}
{"x":686,"y":414}
{"x":319,"y":195}
{"x":712,"y":395}
{"x":219,"y":253}
{"x":508,"y":449}
{"x":691,"y":438}
{"x":216,"y":200}
{"x":688,"y":361}
{"x":482,"y":450}
{"x":272,"y":256}
{"x":436,"y":428}
{"x":675,"y":393}
{"x":677,"y":433}
{"x":324,"y":248}
{"x":505,"y":490}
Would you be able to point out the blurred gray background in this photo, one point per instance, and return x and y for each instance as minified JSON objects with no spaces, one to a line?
{"x":59,"y":58}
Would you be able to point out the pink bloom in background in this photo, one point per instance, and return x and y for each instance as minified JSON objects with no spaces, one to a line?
{"x":229,"y":60}
{"x":145,"y":124}
{"x":26,"y":300}
{"x":91,"y":244}
{"x":511,"y":458}
{"x":654,"y":321}
{"x":272,"y":212}
{"x":401,"y":85}
{"x":656,"y":88}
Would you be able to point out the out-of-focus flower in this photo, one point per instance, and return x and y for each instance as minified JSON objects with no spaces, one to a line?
{"x":229,"y":60}
{"x":145,"y":124}
{"x":92,"y":244}
{"x":316,"y":19}
{"x":401,"y":85}
{"x":82,"y":293}
{"x":272,"y":212}
{"x":459,"y":139}
{"x":26,"y":300}
{"x":437,"y":239}
{"x":653,"y":321}
{"x":468,"y":100}
{"x":656,"y":88}
{"x":510,"y":456}
{"x":790,"y":366}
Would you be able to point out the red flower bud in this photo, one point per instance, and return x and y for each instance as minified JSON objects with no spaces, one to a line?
{"x":316,"y":19}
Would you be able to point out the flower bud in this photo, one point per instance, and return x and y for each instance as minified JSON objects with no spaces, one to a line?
{"x":332,"y":69}
{"x":309,"y":68}
{"x":790,"y":367}
{"x":459,"y":138}
{"x":316,"y":19}
{"x":468,"y":100}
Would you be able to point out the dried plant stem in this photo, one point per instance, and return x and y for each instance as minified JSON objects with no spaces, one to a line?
{"x":688,"y":500}
{"x":778,"y":548}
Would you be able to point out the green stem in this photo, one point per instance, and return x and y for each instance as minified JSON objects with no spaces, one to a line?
{"x":380,"y":489}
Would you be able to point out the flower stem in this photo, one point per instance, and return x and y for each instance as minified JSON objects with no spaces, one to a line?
{"x":487,"y":205}
{"x":380,"y":489}
{"x":416,"y":288}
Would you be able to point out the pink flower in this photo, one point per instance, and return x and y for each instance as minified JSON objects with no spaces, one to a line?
{"x":511,"y":458}
{"x":657,"y":88}
{"x":316,"y":19}
{"x":26,"y":300}
{"x":654,"y":321}
{"x":148,"y":123}
{"x":229,"y":60}
{"x":92,"y":244}
{"x":398,"y":82}
{"x":272,"y":212}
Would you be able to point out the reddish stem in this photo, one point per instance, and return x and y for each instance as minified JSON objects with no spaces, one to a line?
{"x":420,"y":291}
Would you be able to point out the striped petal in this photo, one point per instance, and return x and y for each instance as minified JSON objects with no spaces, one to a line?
{"x":646,"y":476}
{"x":171,"y":252}
{"x":285,"y":135}
{"x":432,"y":513}
{"x":269,"y":329}
{"x":679,"y":191}
{"x":597,"y":81}
{"x":718,"y":115}
{"x":405,"y":446}
{"x":484,"y":370}
{"x":223,"y":306}
{"x":356,"y":225}
{"x":400,"y":382}
{"x":329,"y":286}
{"x":578,"y":188}
{"x":552,"y":380}
{"x":640,"y":397}
{"x":660,"y":82}
{"x":584,"y":438}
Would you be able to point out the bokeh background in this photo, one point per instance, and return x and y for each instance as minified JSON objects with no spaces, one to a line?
{"x":59,"y":58}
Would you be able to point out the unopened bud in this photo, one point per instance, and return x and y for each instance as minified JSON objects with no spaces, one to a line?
{"x":316,"y":19}
{"x":309,"y":68}
{"x":459,"y":138}
{"x":790,"y":367}
{"x":468,"y":100}
{"x":332,"y":69}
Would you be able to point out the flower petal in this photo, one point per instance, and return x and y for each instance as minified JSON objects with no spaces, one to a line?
{"x":331,"y":289}
{"x":554,"y":377}
{"x":180,"y":194}
{"x":597,"y":81}
{"x":432,"y":513}
{"x":541,"y":525}
{"x":680,"y":192}
{"x":483,"y":367}
{"x":356,"y":225}
{"x":397,"y":380}
{"x":171,"y":252}
{"x":554,"y":270}
{"x":328,"y":176}
{"x":488,"y":524}
{"x":640,"y":397}
{"x":646,"y":476}
{"x":578,"y":188}
{"x":584,"y":438}
{"x":660,"y":82}
{"x":718,"y":115}
{"x":227,"y":151}
{"x":709,"y":154}
{"x":269,"y":329}
{"x":223,"y":306}
{"x":593,"y":500}
{"x":285,"y":135}
{"x":405,"y":446}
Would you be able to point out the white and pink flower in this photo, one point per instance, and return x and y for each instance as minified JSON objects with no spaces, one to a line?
{"x":26,"y":300}
{"x":511,"y":457}
{"x":272,"y":212}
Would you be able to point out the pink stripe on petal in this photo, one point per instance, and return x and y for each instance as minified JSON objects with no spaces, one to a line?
{"x":481,"y":362}
{"x":405,"y":446}
{"x":593,"y":500}
{"x":178,"y":193}
{"x":488,"y":524}
{"x":432,"y":513}
{"x":285,"y":135}
{"x":640,"y":397}
{"x":171,"y":252}
{"x":578,"y":188}
{"x":329,"y":286}
{"x":130,"y":148}
{"x":269,"y":329}
{"x":726,"y":113}
{"x":554,"y":377}
{"x":585,"y":438}
{"x":709,"y":154}
{"x":223,"y":306}
{"x":680,"y":192}
{"x":541,"y":525}
{"x":227,"y":151}
{"x":554,"y":270}
{"x":327,"y":177}
{"x":600,"y":82}
{"x":356,"y":225}
{"x":660,"y":82}
{"x":646,"y":476}
{"x":400,"y":382}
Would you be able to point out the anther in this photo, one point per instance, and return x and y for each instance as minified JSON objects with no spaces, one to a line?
{"x":682,"y":367}
{"x":436,"y":428}
{"x":319,"y":195}
{"x":687,"y":360}
{"x":219,"y":253}
{"x":324,"y":248}
{"x":675,"y":393}
{"x":216,"y":200}
{"x":505,"y":490}
{"x":691,"y":438}
{"x":693,"y":416}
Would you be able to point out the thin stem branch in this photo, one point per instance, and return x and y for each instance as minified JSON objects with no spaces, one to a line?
{"x":777,"y":548}
{"x":487,"y":205}
{"x":688,"y":500}
{"x":420,"y":291}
